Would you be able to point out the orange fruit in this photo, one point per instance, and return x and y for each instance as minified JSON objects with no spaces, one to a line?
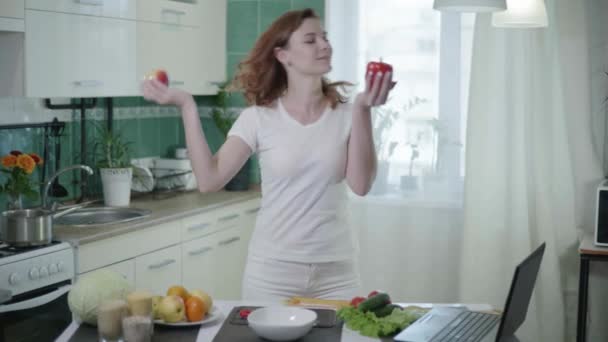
{"x":178,"y":290}
{"x":195,"y":309}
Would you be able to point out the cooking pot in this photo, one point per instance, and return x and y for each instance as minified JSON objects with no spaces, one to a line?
{"x":29,"y":227}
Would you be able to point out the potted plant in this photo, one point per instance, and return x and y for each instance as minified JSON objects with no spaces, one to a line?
{"x":224,"y":120}
{"x":114,"y":165}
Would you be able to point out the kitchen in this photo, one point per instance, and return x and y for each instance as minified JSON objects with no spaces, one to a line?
{"x":83,"y":61}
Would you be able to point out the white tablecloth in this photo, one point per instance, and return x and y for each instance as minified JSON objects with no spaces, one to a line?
{"x":208,"y":331}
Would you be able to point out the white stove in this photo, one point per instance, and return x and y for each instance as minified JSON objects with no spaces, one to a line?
{"x":34,"y":286}
{"x":27,"y":269}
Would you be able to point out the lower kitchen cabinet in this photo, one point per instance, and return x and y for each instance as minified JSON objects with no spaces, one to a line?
{"x":158,"y":270}
{"x":211,"y":258}
{"x":213,"y":263}
{"x":125,"y":268}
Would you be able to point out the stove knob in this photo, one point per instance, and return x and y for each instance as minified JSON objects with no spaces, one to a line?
{"x":14,"y":279}
{"x":34,"y":273}
{"x":53,"y":269}
{"x":60,"y":267}
{"x":43,"y":272}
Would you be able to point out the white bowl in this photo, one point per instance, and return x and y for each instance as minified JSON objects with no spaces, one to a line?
{"x":281,"y":323}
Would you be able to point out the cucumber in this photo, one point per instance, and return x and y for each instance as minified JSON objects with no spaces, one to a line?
{"x":386,"y":310}
{"x":374,"y":302}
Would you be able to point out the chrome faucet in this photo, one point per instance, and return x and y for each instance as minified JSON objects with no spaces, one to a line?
{"x":48,"y":183}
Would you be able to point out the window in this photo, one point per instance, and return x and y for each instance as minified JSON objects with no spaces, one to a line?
{"x":419,"y":133}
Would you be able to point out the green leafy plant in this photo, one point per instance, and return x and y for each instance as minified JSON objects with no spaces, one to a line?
{"x":220,"y":114}
{"x":111,"y":149}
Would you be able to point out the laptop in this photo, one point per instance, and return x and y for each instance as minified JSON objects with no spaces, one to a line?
{"x":457,"y":324}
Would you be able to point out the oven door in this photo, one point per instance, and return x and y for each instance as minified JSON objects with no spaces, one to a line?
{"x":40,"y":315}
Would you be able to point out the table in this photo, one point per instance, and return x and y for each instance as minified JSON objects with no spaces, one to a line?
{"x":207,"y":332}
{"x":588,"y":251}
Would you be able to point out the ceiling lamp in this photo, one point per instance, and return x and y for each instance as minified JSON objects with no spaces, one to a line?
{"x":522,"y":14}
{"x":470,"y":5}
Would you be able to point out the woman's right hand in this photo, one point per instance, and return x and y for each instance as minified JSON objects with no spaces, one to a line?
{"x":156,"y":91}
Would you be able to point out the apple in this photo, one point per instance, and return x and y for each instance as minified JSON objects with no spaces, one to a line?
{"x":171,"y":309}
{"x":160,"y":75}
{"x":155,"y":302}
{"x":204,"y":296}
{"x":376,"y":67}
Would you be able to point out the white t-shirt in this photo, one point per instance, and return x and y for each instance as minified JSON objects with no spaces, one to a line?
{"x":303,"y":194}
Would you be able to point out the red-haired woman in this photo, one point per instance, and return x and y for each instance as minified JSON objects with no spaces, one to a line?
{"x":308,"y":140}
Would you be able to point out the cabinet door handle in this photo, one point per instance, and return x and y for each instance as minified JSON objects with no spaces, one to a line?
{"x":228,"y":217}
{"x":229,"y":241}
{"x":200,"y":251}
{"x":198,"y":227}
{"x":171,"y":10}
{"x":252,"y":211}
{"x":174,"y":83}
{"x":88,"y":83}
{"x":90,"y":2}
{"x":161,"y":264}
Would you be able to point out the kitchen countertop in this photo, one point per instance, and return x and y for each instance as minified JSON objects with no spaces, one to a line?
{"x":207,"y":332}
{"x":162,"y":210}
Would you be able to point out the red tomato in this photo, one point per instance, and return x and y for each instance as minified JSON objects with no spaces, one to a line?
{"x":244,"y":313}
{"x":356,"y":301}
{"x":376,"y":67}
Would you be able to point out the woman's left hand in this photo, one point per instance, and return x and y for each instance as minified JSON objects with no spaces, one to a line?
{"x":376,"y":90}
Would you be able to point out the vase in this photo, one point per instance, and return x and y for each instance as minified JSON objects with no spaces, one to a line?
{"x":14,"y":202}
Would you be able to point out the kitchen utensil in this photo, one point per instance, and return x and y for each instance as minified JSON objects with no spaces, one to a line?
{"x":281,"y":323}
{"x":143,"y":180}
{"x":57,"y":190}
{"x":29,"y":227}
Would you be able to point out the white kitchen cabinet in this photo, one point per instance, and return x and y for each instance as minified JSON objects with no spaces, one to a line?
{"x":71,"y":55}
{"x":194,"y":56}
{"x":125,"y":268}
{"x":12,"y":9}
{"x":211,"y":221}
{"x":200,"y":264}
{"x":102,"y":8}
{"x":213,"y":264}
{"x":12,"y":13}
{"x":159,"y":270}
{"x":173,"y":11}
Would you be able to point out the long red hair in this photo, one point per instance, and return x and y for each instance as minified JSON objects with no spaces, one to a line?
{"x":263,"y":78}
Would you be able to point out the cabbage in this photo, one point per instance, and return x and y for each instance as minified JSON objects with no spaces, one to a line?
{"x":92,"y":289}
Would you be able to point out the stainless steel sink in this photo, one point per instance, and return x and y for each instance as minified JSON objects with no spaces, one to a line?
{"x":96,"y":216}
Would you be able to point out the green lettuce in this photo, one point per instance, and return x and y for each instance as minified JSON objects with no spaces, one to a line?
{"x":367,"y":324}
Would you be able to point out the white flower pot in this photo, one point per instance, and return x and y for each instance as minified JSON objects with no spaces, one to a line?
{"x":116,"y":186}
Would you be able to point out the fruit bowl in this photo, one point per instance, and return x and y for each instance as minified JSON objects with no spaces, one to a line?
{"x":214,"y":315}
{"x":281,"y":323}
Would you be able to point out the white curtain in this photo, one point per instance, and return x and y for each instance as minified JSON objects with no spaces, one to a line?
{"x":520,"y":187}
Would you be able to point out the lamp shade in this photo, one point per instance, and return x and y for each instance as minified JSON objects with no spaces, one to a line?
{"x":522,"y":14}
{"x":470,"y":5}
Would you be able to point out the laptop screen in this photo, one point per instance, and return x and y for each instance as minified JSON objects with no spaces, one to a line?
{"x":522,"y":285}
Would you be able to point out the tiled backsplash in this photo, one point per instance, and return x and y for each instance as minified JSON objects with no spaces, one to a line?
{"x":153,"y":130}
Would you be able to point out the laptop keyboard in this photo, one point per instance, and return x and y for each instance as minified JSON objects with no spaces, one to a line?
{"x":467,"y":327}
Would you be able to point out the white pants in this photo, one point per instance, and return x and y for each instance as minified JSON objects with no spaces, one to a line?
{"x":270,"y":279}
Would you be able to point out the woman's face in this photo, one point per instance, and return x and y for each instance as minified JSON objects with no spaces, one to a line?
{"x":308,"y":50}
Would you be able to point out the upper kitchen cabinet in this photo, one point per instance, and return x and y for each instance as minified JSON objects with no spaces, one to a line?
{"x":12,"y":13}
{"x":186,"y":38}
{"x":177,"y":12}
{"x":79,"y":55}
{"x":124,"y":9}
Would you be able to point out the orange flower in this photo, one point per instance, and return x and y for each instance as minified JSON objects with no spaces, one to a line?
{"x":26,"y":162}
{"x":9,"y":160}
{"x":36,"y":158}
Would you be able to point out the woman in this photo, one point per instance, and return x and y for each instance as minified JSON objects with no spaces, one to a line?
{"x":308,"y":140}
